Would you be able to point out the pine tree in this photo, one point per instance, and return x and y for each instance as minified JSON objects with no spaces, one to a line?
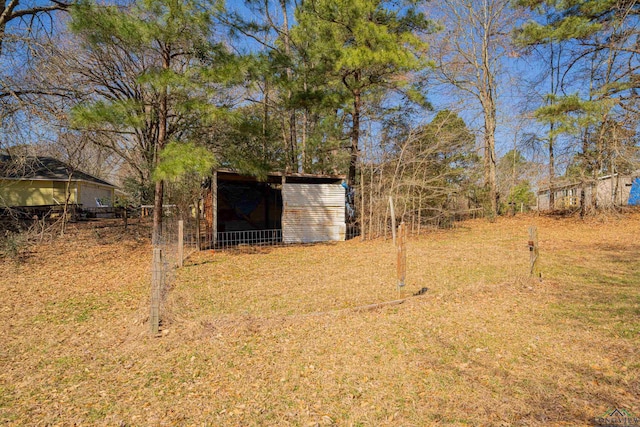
{"x":470,"y":56}
{"x":169,"y":55}
{"x":360,"y":46}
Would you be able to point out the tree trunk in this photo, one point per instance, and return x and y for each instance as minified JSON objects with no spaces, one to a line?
{"x":65,"y":210}
{"x":355,"y":137}
{"x":265,"y":117}
{"x":157,"y":212}
{"x":490,"y":157}
{"x":305,"y":130}
{"x":583,"y":185}
{"x":583,"y":199}
{"x":552,"y":172}
{"x":488,"y":94}
{"x":554,"y":76}
{"x":303,"y":149}
{"x":292,"y":164}
{"x":5,"y":16}
{"x":163,"y":113}
{"x":293,"y":157}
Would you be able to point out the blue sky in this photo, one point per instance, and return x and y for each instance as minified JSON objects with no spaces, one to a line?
{"x":511,"y":125}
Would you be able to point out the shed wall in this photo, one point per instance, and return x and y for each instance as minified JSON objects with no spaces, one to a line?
{"x":60,"y":192}
{"x":614,"y":188}
{"x":313,"y":213}
{"x":543,"y":201}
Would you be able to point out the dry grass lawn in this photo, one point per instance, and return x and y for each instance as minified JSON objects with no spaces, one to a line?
{"x":271,"y":337}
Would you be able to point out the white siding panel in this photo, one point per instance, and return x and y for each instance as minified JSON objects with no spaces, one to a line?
{"x":314,"y":195}
{"x":313,"y":213}
{"x":90,"y":192}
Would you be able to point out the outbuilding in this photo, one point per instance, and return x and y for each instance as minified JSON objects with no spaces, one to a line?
{"x":287,"y":208}
{"x":611,"y":190}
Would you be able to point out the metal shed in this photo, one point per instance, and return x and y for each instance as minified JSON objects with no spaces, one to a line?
{"x":280,"y":208}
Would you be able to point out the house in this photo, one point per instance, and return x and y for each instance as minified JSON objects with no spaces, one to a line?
{"x":611,"y":190}
{"x":30,"y":181}
{"x":288,"y":208}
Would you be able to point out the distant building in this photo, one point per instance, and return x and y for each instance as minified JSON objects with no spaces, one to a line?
{"x":611,"y":190}
{"x":30,"y":181}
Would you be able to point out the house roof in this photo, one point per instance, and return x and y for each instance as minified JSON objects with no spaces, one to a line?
{"x":37,"y":168}
{"x":560,"y":185}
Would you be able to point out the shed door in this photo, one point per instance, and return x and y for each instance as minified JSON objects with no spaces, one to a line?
{"x":313,"y":213}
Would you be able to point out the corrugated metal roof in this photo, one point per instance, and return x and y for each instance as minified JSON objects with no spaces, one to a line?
{"x":313,"y":213}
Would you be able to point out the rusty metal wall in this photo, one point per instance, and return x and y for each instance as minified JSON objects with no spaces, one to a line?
{"x":313,"y":213}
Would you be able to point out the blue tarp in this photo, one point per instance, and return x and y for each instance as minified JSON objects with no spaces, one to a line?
{"x":634,"y":196}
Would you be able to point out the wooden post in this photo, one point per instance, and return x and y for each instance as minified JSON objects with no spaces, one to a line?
{"x":419,"y":213}
{"x":371,"y":205}
{"x":534,"y":254}
{"x":393,"y":220}
{"x":362,"y":231}
{"x":198,"y":225}
{"x":180,"y":243}
{"x":402,"y":255}
{"x":214,"y":201}
{"x":156,"y":285}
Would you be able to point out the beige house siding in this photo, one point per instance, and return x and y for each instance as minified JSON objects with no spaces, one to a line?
{"x":89,"y":192}
{"x":42,"y":193}
{"x":28,"y":193}
{"x":60,"y":192}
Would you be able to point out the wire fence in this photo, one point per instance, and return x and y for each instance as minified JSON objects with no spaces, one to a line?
{"x":224,"y":240}
{"x":181,"y":237}
{"x":227,"y":239}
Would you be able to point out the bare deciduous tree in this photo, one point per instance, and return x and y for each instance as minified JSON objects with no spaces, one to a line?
{"x":429,"y":171}
{"x":469,"y":55}
{"x":31,"y":12}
